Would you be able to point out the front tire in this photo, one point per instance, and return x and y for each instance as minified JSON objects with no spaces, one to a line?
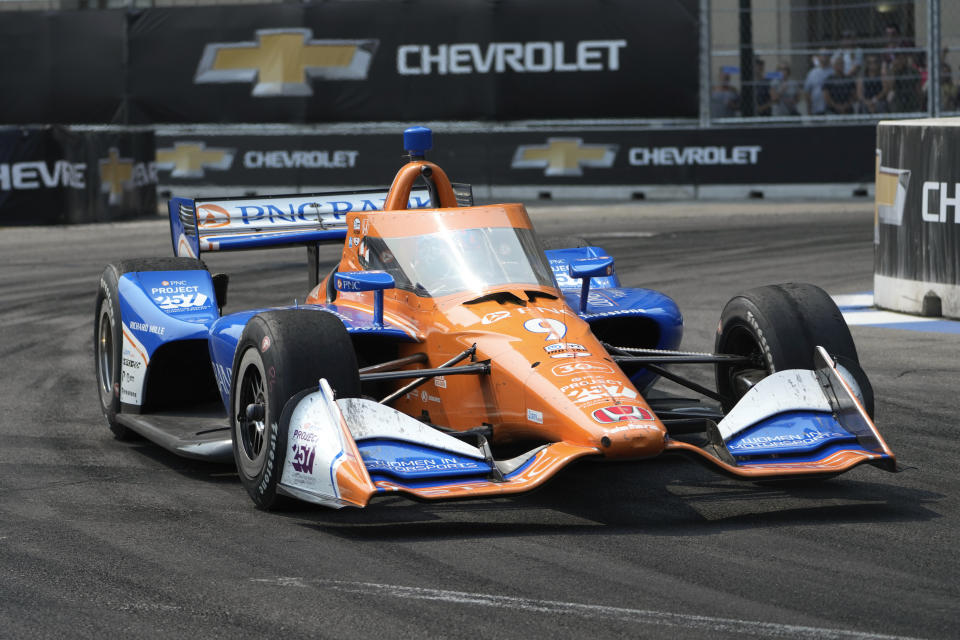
{"x":281,"y":353}
{"x":778,"y":327}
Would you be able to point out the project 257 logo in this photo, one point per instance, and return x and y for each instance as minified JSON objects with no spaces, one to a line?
{"x":303,"y":457}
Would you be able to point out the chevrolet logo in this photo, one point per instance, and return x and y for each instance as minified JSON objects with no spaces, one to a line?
{"x":189,"y":159}
{"x":564,"y":156}
{"x":116,"y":173}
{"x":890,"y":194}
{"x":282,"y":59}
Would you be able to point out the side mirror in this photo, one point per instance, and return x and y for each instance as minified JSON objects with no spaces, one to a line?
{"x":587,"y":268}
{"x":357,"y":281}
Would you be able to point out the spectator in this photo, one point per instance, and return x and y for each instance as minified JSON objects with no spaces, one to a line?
{"x":906,"y":92}
{"x":724,"y":99}
{"x":761,"y":91}
{"x":784,"y":93}
{"x":872,"y":87}
{"x":892,"y":41}
{"x":813,"y":85}
{"x":948,"y":90}
{"x":839,"y":91}
{"x":852,"y":55}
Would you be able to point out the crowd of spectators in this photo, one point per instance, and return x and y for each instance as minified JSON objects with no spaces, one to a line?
{"x":889,"y":76}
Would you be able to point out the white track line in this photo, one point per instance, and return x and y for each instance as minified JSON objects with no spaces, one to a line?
{"x":645,"y":616}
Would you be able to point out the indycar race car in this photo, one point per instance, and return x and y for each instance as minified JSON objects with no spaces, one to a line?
{"x":451,"y":354}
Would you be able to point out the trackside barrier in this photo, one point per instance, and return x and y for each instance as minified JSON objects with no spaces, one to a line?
{"x":917,"y":222}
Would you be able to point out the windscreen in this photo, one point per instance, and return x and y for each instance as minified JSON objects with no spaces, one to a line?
{"x":458,"y":260}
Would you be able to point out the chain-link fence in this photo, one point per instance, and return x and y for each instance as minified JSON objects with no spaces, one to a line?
{"x":832,"y":59}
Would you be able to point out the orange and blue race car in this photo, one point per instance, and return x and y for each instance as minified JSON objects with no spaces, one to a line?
{"x":451,"y":354}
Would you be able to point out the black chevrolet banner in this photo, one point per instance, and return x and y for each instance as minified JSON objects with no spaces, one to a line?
{"x":55,"y":175}
{"x":63,"y":67}
{"x":341,"y":61}
{"x":783,"y":155}
{"x":918,"y":204}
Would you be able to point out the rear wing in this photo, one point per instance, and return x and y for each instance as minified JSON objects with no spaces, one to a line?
{"x":232,"y":224}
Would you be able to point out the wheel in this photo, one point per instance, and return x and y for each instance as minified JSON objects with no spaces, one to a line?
{"x":778,"y":327}
{"x":108,"y":335}
{"x":281,"y":353}
{"x":563,"y":242}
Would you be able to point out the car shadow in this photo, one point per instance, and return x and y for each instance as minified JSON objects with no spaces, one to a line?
{"x":653,"y":497}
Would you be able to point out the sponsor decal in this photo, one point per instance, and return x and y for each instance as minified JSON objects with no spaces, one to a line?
{"x":502,"y":57}
{"x":143,"y":327}
{"x":302,"y":459}
{"x":133,"y":370}
{"x":564,"y":156}
{"x":693,"y":156}
{"x":890,"y":194}
{"x":495,"y":316}
{"x":440,"y":382}
{"x":569,"y":369}
{"x":304,"y":435}
{"x":609,"y":390}
{"x":281,"y":61}
{"x":554,"y":329}
{"x":180,"y":298}
{"x":122,"y":174}
{"x":564,"y":346}
{"x":27,"y":176}
{"x":191,"y":159}
{"x":300,"y":159}
{"x":212,"y":216}
{"x":942,"y":189}
{"x":356,"y":225}
{"x":258,"y":212}
{"x":572,"y":354}
{"x":223,"y":375}
{"x":421,"y":465}
{"x":264,"y":344}
{"x":616,"y":413}
{"x":426,"y":397}
{"x":786,"y":440}
{"x":535,"y":416}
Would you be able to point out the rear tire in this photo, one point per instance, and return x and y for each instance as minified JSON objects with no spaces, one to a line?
{"x":108,"y":332}
{"x":779,"y":326}
{"x":281,"y":353}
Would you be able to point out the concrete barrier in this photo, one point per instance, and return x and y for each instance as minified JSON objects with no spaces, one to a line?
{"x":917,"y":221}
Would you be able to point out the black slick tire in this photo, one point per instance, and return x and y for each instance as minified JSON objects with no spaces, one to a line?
{"x":779,"y":326}
{"x":280,"y":354}
{"x":108,"y":332}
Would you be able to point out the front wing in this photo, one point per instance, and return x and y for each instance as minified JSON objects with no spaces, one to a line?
{"x":339,"y":453}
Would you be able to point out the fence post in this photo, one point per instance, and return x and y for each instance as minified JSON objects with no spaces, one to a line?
{"x":748,"y":103}
{"x":933,"y":57}
{"x":705,"y":44}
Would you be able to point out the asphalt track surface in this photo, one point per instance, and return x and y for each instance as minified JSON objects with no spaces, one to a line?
{"x":104,"y":538}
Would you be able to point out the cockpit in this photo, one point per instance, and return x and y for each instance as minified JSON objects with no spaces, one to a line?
{"x":452,"y":261}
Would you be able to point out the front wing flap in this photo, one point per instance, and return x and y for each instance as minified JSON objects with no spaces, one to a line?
{"x":795,"y":423}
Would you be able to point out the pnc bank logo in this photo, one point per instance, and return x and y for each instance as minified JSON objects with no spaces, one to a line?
{"x":564,"y":156}
{"x":281,"y":61}
{"x":190,"y":159}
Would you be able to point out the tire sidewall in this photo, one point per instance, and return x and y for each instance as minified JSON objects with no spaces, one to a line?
{"x":260,"y":483}
{"x":108,"y":304}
